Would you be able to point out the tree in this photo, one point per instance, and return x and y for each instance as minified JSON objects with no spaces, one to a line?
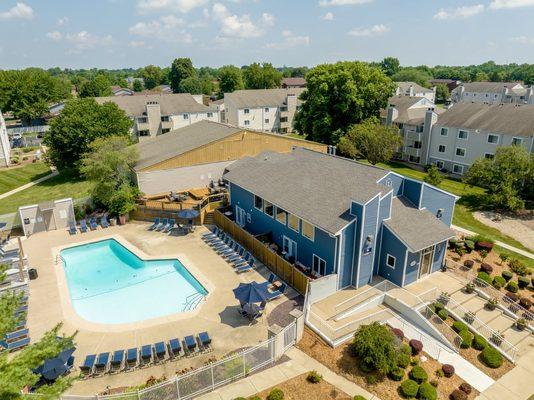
{"x":481,"y":77}
{"x":230,"y":79}
{"x":339,"y":96}
{"x":442,"y":93}
{"x":508,"y":178}
{"x":263,"y":76}
{"x":191,"y":85}
{"x":390,"y":65}
{"x":9,"y":303}
{"x":413,"y":75}
{"x":96,"y":87}
{"x":152,"y":76}
{"x":433,"y":177}
{"x":181,"y":68}
{"x":374,"y":345}
{"x":81,"y":122}
{"x":137,"y":86}
{"x":371,"y":140}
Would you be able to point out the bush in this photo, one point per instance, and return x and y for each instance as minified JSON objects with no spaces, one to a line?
{"x":469,"y":264}
{"x":398,"y":333}
{"x":427,"y":392}
{"x":406,"y":349}
{"x":512,"y":286}
{"x":459,"y":326}
{"x":458,"y":395}
{"x":486,"y":268}
{"x":418,"y":374}
{"x":481,"y":238}
{"x":467,"y":338}
{"x":484,"y":246}
{"x":469,"y":245}
{"x":371,"y":379}
{"x":507,"y":275}
{"x":254,"y":398}
{"x":276,"y":394}
{"x":518,"y":267}
{"x":438,"y":306}
{"x":440,"y":373}
{"x":409,"y":388}
{"x":453,"y":242}
{"x":514,"y":297}
{"x":434,"y":382}
{"x":479,"y":342}
{"x":499,"y":282}
{"x":525,"y":303}
{"x":466,"y":388}
{"x":416,"y":346}
{"x":396,"y":374}
{"x":448,"y":370}
{"x":443,"y":314}
{"x":376,"y":345}
{"x":240,"y":398}
{"x":403,"y":360}
{"x":314,"y":377}
{"x":491,"y":357}
{"x":358,"y":397}
{"x":484,"y":276}
{"x":522,"y":282}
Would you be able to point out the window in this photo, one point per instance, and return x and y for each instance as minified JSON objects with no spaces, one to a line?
{"x":266,"y":120}
{"x":266,"y":109}
{"x":165,"y":130}
{"x":463,"y":135}
{"x":258,"y":202}
{"x":419,"y":128}
{"x":517,"y":141}
{"x":390,"y":261}
{"x":210,"y":115}
{"x":281,"y":215}
{"x":293,"y":222}
{"x":460,"y":152}
{"x":493,"y":138}
{"x":489,"y":156}
{"x":319,"y":265}
{"x":142,"y":120}
{"x":440,"y":164}
{"x":283,"y":119}
{"x":246,"y":111}
{"x":268,"y":208}
{"x":444,"y":131}
{"x":144,"y":133}
{"x":247,"y":122}
{"x":458,"y":169}
{"x":441,"y":148}
{"x":417,"y":144}
{"x":165,"y":118}
{"x":308,"y":230}
{"x":186,"y":116}
{"x":283,"y":108}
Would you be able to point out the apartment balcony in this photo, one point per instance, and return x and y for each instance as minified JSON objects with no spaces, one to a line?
{"x":413,"y":135}
{"x":166,"y":124}
{"x":143,"y":126}
{"x":412,"y":151}
{"x":284,"y":114}
{"x":285,"y":125}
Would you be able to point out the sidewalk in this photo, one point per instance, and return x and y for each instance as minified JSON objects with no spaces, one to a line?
{"x":28,"y":185}
{"x":498,"y":243}
{"x":298,"y":363}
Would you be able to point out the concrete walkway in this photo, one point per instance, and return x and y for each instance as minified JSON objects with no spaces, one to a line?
{"x":297,"y":363}
{"x":28,"y":185}
{"x":497,"y":242}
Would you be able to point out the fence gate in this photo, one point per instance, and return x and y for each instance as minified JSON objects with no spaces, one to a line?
{"x":290,"y":336}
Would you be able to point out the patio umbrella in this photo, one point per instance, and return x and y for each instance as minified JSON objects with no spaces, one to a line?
{"x":53,"y":368}
{"x":251,"y":309}
{"x":251,"y":292}
{"x":188,"y":214}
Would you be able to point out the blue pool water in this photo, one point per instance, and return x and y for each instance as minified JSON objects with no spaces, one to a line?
{"x":108,"y":284}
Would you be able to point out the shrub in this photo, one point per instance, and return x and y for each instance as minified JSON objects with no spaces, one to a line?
{"x":504,"y":257}
{"x":507,"y":275}
{"x":466,"y":388}
{"x":469,"y":288}
{"x":525,"y":302}
{"x":467,"y":338}
{"x":512,"y":286}
{"x":371,"y":379}
{"x":518,"y":267}
{"x":398,"y":333}
{"x":448,"y":370}
{"x":459,"y":326}
{"x":481,"y":238}
{"x":438,"y":306}
{"x":453,"y":242}
{"x":512,"y":296}
{"x":396,"y":374}
{"x":469,"y":264}
{"x":479,"y":342}
{"x":521,"y":324}
{"x":469,"y":245}
{"x":240,"y":398}
{"x":484,"y":276}
{"x":440,"y":373}
{"x":314,"y":377}
{"x":460,"y":251}
{"x":276,"y":394}
{"x":406,"y":349}
{"x":418,"y":374}
{"x":458,"y":395}
{"x":409,"y":388}
{"x":522,"y":282}
{"x":486,"y":268}
{"x":416,"y":346}
{"x":403,"y":360}
{"x":499,"y":282}
{"x":376,"y":346}
{"x":469,"y":317}
{"x":443,"y":314}
{"x":365,"y":367}
{"x":491,"y":357}
{"x":434,"y":382}
{"x":491,"y":304}
{"x":427,"y":392}
{"x":484,"y":246}
{"x":254,"y":398}
{"x":414,"y":362}
{"x":358,"y":397}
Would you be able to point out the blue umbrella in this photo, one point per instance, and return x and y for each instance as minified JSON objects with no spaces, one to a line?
{"x":251,"y":292}
{"x":53,"y":368}
{"x":188,"y":214}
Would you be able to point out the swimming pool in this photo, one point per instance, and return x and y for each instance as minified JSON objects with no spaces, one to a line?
{"x":108,"y":284}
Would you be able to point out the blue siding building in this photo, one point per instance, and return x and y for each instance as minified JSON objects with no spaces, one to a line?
{"x":334,"y":215}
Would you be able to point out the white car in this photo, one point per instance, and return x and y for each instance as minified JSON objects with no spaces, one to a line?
{"x":16,"y":136}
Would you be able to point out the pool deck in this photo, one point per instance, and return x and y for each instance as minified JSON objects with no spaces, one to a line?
{"x":49,"y":302}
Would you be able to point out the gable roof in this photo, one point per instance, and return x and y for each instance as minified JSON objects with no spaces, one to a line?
{"x":508,"y":118}
{"x":314,"y":186}
{"x":405,"y":87}
{"x":296,"y":81}
{"x":409,"y":111}
{"x":179,"y":141}
{"x":170,"y":103}
{"x":261,"y":97}
{"x":492,"y":87}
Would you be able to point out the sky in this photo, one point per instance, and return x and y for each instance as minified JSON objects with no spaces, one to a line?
{"x":135,"y":33}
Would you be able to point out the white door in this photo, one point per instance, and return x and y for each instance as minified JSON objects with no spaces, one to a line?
{"x":240,"y":216}
{"x":290,"y":248}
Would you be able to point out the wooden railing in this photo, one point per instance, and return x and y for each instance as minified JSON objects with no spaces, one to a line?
{"x":281,"y":267}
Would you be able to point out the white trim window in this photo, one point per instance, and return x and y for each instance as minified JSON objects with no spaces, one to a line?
{"x":281,"y":215}
{"x":318,"y":265}
{"x":268,"y":208}
{"x":186,"y":116}
{"x":493,"y":139}
{"x":247,"y":122}
{"x":460,"y":152}
{"x":308,"y":230}
{"x":444,"y":132}
{"x":489,"y":156}
{"x":440,"y":164}
{"x":293,"y":222}
{"x":442,"y":148}
{"x":258,"y":203}
{"x":391,"y":261}
{"x":210,"y":115}
{"x":266,"y":109}
{"x":464,"y":135}
{"x":266,"y":120}
{"x":246,"y":111}
{"x":516,"y":141}
{"x":458,"y":169}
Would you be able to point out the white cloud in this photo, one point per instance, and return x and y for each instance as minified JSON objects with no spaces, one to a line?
{"x":289,"y":41}
{"x":136,"y":43}
{"x":183,"y":6}
{"x":328,"y":3}
{"x":236,"y":26}
{"x":267,"y":19}
{"x":498,"y":4}
{"x":523,"y":40}
{"x":55,"y":35}
{"x":460,"y":12}
{"x":63,"y":21}
{"x":168,"y":28}
{"x":375,"y":30}
{"x":328,"y":16}
{"x":84,"y":40}
{"x":20,"y":11}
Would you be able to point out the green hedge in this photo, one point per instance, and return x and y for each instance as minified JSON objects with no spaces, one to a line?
{"x":467,"y":338}
{"x":403,"y":360}
{"x":459,"y":326}
{"x":418,"y":374}
{"x":499,"y":282}
{"x":479,"y":342}
{"x":443,"y":314}
{"x":276,"y":394}
{"x":491,"y":357}
{"x":427,"y":392}
{"x":484,"y":276}
{"x":396,"y":374}
{"x":507,"y":275}
{"x":512,"y":286}
{"x":409,"y":388}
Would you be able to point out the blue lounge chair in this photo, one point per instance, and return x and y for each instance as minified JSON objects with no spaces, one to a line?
{"x":227,"y":249}
{"x":277,"y":293}
{"x":211,"y":234}
{"x":174,"y":347}
{"x":162,"y":224}
{"x":190,"y":344}
{"x":272,"y":278}
{"x":235,"y":249}
{"x":205,"y":341}
{"x":220,"y":243}
{"x":154,"y":225}
{"x":146,"y":354}
{"x":159,"y":351}
{"x":169,"y":226}
{"x":16,"y":335}
{"x":104,"y":221}
{"x":83,"y":226}
{"x":93,"y":224}
{"x":240,"y":262}
{"x":237,"y":255}
{"x":101,"y":364}
{"x":72,"y":228}
{"x":116,"y":361}
{"x":88,"y":365}
{"x":131,"y":358}
{"x":15,"y":345}
{"x":215,"y":239}
{"x":247,"y":267}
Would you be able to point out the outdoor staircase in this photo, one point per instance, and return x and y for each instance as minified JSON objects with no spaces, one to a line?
{"x":209,"y":218}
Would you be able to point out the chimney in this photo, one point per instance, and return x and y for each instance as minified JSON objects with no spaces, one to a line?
{"x":392,"y":115}
{"x":529,"y":97}
{"x":410,"y":91}
{"x":503,"y":94}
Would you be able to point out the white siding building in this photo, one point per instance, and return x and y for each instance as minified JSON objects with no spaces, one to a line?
{"x":5,"y":148}
{"x":412,"y":89}
{"x":492,"y":92}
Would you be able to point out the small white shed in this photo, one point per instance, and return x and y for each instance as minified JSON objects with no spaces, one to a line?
{"x":47,"y":216}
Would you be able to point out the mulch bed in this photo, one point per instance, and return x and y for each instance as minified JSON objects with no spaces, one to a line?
{"x":341,"y":361}
{"x":299,"y":388}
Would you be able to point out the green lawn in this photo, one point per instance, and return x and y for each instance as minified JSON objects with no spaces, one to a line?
{"x":62,"y":186}
{"x":14,"y":177}
{"x":296,"y":136}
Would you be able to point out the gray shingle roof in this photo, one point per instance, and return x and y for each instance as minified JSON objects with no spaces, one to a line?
{"x":491,"y":87}
{"x":179,"y":141}
{"x":405,"y":87}
{"x":261,"y":97}
{"x":170,"y":104}
{"x":314,"y":186}
{"x":513,"y":119}
{"x":418,"y":229}
{"x":406,"y":114}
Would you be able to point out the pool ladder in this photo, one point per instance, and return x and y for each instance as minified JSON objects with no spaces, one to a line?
{"x":192,"y":301}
